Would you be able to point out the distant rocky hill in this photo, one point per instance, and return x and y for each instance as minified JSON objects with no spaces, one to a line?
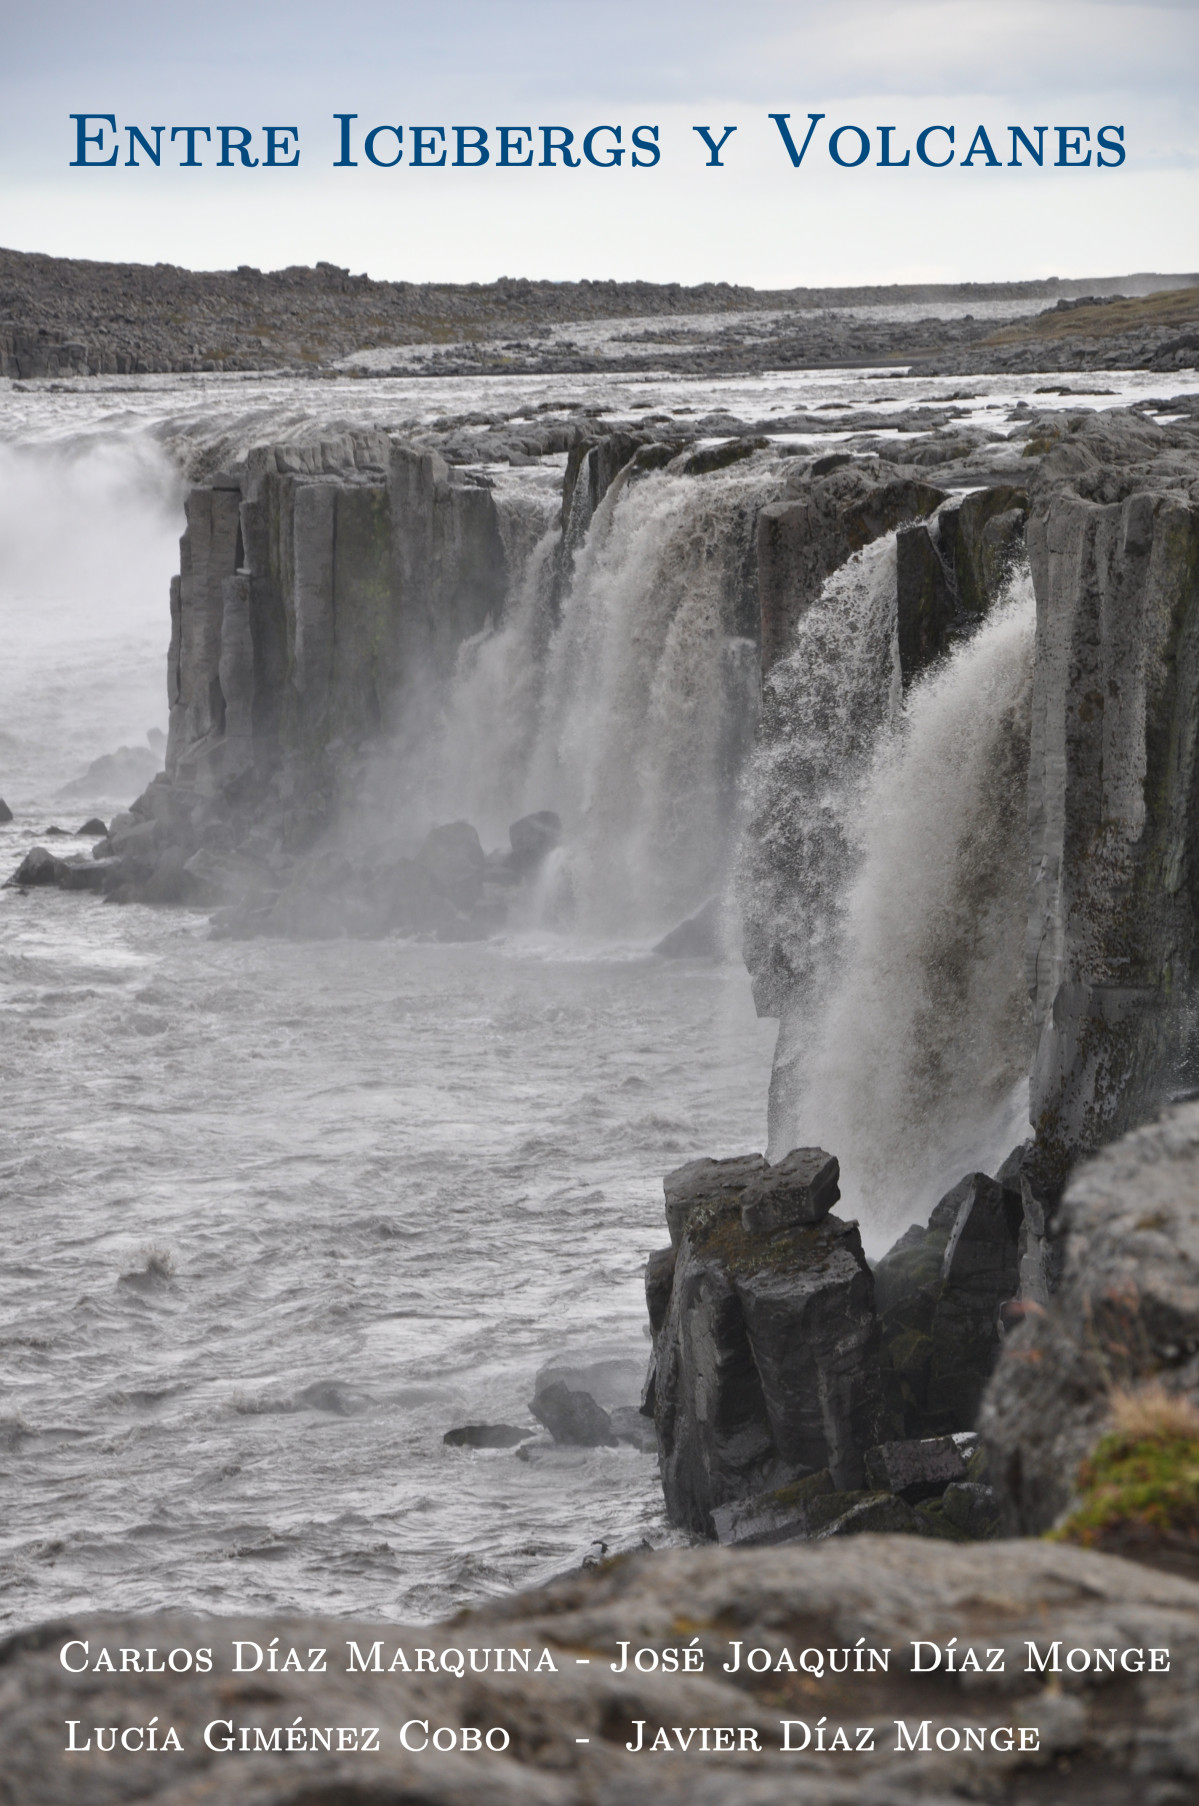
{"x":68,"y":317}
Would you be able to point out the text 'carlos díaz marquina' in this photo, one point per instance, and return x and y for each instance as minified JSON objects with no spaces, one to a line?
{"x":297,"y":1736}
{"x":101,"y":142}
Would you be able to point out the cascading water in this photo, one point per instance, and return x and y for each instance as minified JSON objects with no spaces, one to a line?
{"x":822,"y":710}
{"x":630,"y":711}
{"x":904,"y":1043}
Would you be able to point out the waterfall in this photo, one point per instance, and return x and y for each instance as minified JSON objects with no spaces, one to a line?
{"x":88,"y":541}
{"x":906,"y":1039}
{"x":823,"y":707}
{"x":629,"y":709}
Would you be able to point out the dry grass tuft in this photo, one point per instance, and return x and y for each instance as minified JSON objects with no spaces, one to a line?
{"x":1151,"y":1414}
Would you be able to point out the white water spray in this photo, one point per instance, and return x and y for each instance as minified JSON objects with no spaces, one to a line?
{"x":630,"y":714}
{"x":823,"y":708}
{"x":88,"y":542}
{"x":907,"y":1054}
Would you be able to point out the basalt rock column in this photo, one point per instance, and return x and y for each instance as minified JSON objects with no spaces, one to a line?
{"x":766,"y":1364}
{"x":209,"y":553}
{"x":1114,"y":809}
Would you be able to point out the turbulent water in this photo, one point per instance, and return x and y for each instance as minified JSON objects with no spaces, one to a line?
{"x":278,"y":1215}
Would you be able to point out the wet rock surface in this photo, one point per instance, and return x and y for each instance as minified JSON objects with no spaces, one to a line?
{"x":795,"y":1391}
{"x":1127,"y":1312}
{"x":1103,"y":1738}
{"x":766,"y":1364}
{"x":486,"y":1436}
{"x":1113,"y":946}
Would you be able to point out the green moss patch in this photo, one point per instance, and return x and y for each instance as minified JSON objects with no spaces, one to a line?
{"x":1138,"y":1493}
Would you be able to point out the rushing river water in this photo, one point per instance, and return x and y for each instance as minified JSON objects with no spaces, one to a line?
{"x":277,"y":1215}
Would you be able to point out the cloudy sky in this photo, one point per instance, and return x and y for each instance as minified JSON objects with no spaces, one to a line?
{"x":673,"y":64}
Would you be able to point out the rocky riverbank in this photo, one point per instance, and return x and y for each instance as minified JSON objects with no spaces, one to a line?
{"x":63,"y":317}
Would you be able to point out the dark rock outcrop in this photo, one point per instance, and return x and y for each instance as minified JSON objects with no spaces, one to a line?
{"x":533,"y":838}
{"x":1113,"y":949}
{"x":790,"y":1385}
{"x":5,"y":812}
{"x":1127,"y":1312}
{"x":766,"y":1361}
{"x":39,"y":866}
{"x":952,"y":568}
{"x":485,"y":1436}
{"x":573,"y":1416}
{"x":939,"y":1294}
{"x":916,"y":1470}
{"x":801,"y":542}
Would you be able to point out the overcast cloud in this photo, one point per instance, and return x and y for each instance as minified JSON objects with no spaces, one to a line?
{"x":867,"y":62}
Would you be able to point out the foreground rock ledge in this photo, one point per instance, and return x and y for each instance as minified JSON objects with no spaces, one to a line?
{"x":1103,"y":1739}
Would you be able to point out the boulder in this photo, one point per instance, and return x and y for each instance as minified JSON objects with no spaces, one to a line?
{"x":93,"y":827}
{"x":5,"y":812}
{"x":785,"y":1515}
{"x":533,"y":839}
{"x":915,"y":1470}
{"x":1126,"y":1312}
{"x":880,"y":1512}
{"x":701,"y":1182}
{"x":973,"y":1508}
{"x":90,"y":874}
{"x":800,"y":1189}
{"x":573,"y":1416}
{"x":485,"y":1436}
{"x":140,"y":842}
{"x":697,"y":938}
{"x":766,"y":1364}
{"x":39,"y":866}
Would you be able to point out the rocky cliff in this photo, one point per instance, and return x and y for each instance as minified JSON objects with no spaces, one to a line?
{"x":1125,"y":1316}
{"x":1113,"y":807}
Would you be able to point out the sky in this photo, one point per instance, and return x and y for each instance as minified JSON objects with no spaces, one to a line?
{"x":865,"y":64}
